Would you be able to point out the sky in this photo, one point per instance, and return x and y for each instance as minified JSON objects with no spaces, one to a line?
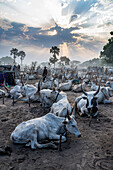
{"x":80,"y":28}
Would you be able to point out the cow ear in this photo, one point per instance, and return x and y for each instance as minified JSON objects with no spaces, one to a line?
{"x":84,"y":97}
{"x":64,"y":122}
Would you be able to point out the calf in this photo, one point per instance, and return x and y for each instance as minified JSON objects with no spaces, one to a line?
{"x":35,"y":131}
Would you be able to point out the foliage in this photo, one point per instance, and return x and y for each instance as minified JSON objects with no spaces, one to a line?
{"x":75,"y":62}
{"x":22,"y":55}
{"x":65,"y":59}
{"x":107,"y":54}
{"x":55,"y":50}
{"x":6,"y":60}
{"x":14,"y":52}
{"x":93,"y":62}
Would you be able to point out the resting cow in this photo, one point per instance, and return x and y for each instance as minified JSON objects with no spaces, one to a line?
{"x":65,"y":86}
{"x":104,"y":94}
{"x":60,"y":108}
{"x":33,"y":132}
{"x":77,"y":88}
{"x":87,"y":104}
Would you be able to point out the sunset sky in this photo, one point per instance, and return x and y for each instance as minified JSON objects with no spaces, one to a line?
{"x":80,"y":28}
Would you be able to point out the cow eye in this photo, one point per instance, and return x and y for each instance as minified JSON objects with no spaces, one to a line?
{"x":73,"y":125}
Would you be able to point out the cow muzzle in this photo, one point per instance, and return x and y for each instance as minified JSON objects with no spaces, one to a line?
{"x":89,"y":110}
{"x":79,"y":136}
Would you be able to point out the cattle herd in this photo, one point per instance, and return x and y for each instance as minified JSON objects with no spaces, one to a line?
{"x":94,"y":88}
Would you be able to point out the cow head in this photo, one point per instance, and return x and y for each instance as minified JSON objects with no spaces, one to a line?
{"x":54,"y":94}
{"x":71,"y":125}
{"x":91,"y":100}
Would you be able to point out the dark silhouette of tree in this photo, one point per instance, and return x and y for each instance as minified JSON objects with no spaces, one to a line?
{"x":55,"y":50}
{"x":65,"y":59}
{"x":107,"y":54}
{"x":14,"y":52}
{"x":22,"y":56}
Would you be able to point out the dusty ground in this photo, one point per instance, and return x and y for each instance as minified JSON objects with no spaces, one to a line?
{"x":94,"y":150}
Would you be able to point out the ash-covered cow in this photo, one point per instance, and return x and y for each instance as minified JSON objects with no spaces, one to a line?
{"x":16,"y":92}
{"x":77,"y":88}
{"x":30,"y":92}
{"x":33,"y":132}
{"x":66,"y":86}
{"x":87,"y":104}
{"x":60,"y":107}
{"x":104,"y":94}
{"x":47,"y":97}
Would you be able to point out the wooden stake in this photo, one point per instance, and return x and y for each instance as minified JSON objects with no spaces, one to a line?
{"x":3,"y":98}
{"x":59,"y":148}
{"x":29,"y":102}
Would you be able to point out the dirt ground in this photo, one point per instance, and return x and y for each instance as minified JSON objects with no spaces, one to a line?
{"x":94,"y":150}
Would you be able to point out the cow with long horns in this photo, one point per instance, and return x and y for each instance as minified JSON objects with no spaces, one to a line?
{"x":87,"y":104}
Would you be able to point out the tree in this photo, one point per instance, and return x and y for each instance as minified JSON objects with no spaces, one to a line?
{"x":22,"y":55}
{"x":55,"y":50}
{"x":6,"y":60}
{"x":107,"y":54}
{"x":33,"y":65}
{"x":65,"y":59}
{"x":14,"y":52}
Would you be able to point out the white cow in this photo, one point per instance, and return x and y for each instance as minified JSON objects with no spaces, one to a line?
{"x":60,"y":108}
{"x":87,"y":104}
{"x":47,"y":97}
{"x":109,"y":84}
{"x":16,"y":92}
{"x":33,"y":132}
{"x":77,"y":88}
{"x":65,"y":86}
{"x":29,"y":91}
{"x":45,"y":85}
{"x":104,"y":94}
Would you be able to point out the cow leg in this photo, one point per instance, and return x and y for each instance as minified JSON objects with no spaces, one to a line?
{"x":107,"y":101}
{"x":34,"y":144}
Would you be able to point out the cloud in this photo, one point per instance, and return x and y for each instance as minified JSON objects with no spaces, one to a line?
{"x":79,"y":27}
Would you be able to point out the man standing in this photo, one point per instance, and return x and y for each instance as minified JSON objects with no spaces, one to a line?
{"x":44,"y":73}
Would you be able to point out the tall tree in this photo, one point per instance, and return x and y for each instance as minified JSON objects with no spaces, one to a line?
{"x":55,"y":50}
{"x":107,"y":54}
{"x":22,"y":56}
{"x":14,"y":52}
{"x":65,"y":59}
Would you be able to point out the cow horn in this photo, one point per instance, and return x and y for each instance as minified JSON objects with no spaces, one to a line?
{"x":8,"y":90}
{"x":97,"y":91}
{"x":68,"y":116}
{"x":22,"y":83}
{"x":83,"y":90}
{"x":39,"y":86}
